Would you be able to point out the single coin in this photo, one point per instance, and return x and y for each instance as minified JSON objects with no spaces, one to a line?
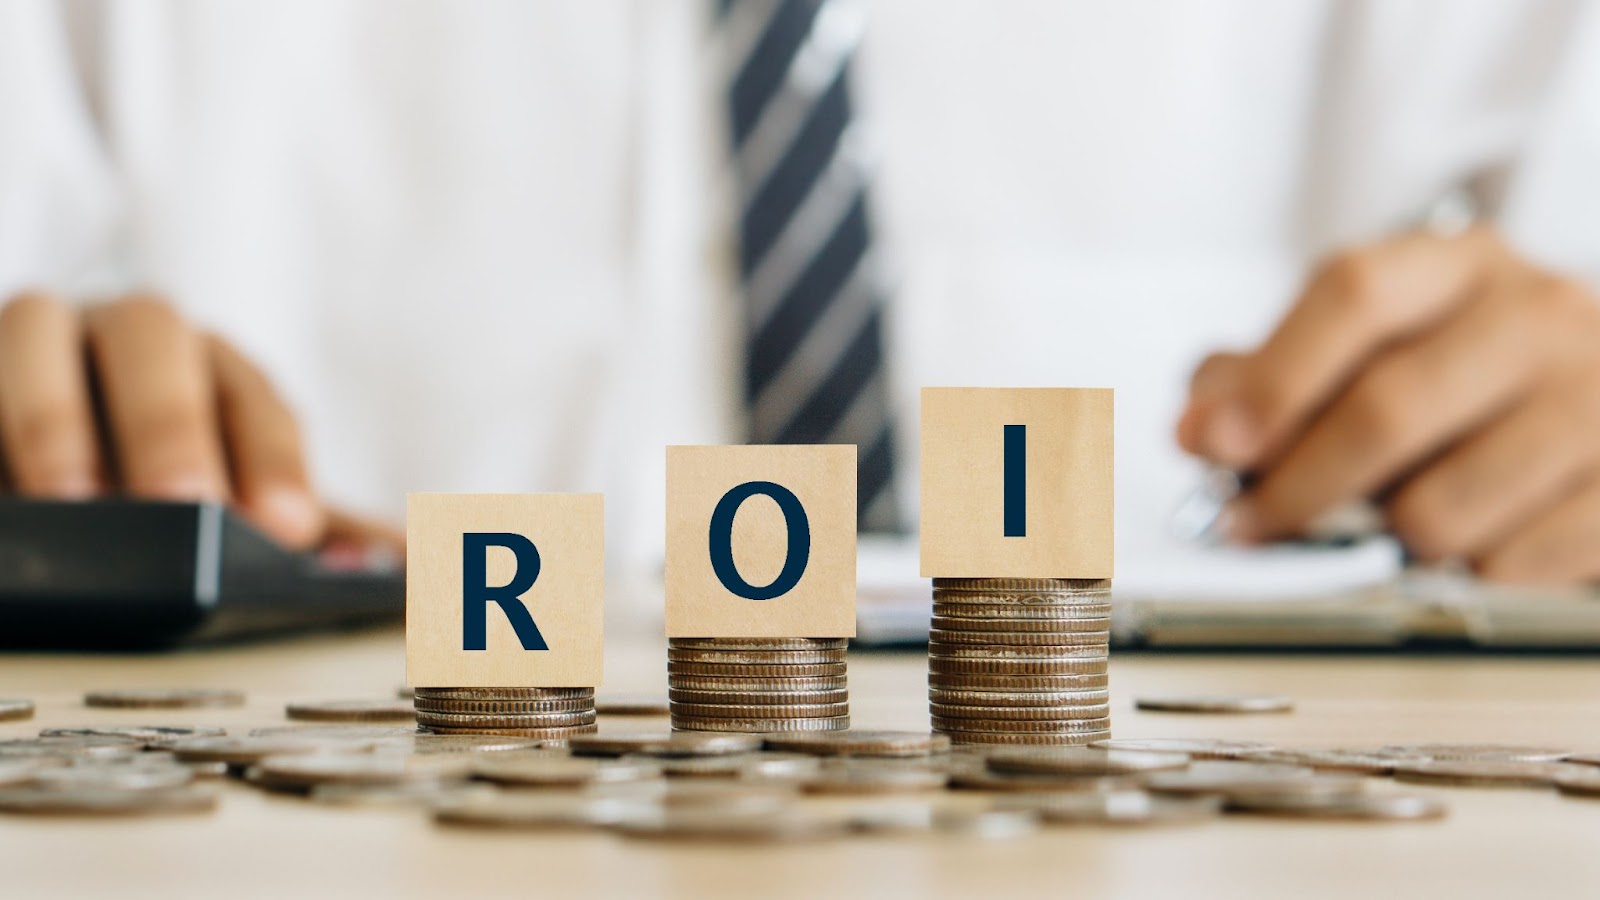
{"x":1052,"y":586}
{"x":1087,"y":666}
{"x":404,"y":693}
{"x":787,"y":711}
{"x":1199,"y":748}
{"x":545,"y":737}
{"x":1475,"y":752}
{"x":244,"y":751}
{"x":93,"y":802}
{"x":155,"y":698}
{"x":760,"y":725}
{"x":861,"y":742}
{"x":664,"y":743}
{"x":1015,"y":726}
{"x":571,"y":771}
{"x":1014,"y":684}
{"x":719,"y":827}
{"x":1359,"y":805}
{"x":307,"y":769}
{"x":758,"y":643}
{"x":504,"y":693}
{"x":538,"y":810}
{"x":986,"y":824}
{"x":1096,"y":651}
{"x":1579,"y":782}
{"x":1219,"y":703}
{"x":1122,"y":808}
{"x":757,"y":657}
{"x":1325,"y":760}
{"x":353,"y":733}
{"x":1482,"y":773}
{"x":859,"y":777}
{"x":524,"y":720}
{"x":76,"y":747}
{"x":1015,"y":626}
{"x":1028,"y":699}
{"x":504,"y":707}
{"x":740,"y":670}
{"x":631,"y":704}
{"x":1003,"y":613}
{"x":978,"y":778}
{"x":406,"y":794}
{"x":1083,"y":761}
{"x":12,"y":710}
{"x":1021,"y":713}
{"x":155,"y":736}
{"x":91,"y":777}
{"x":351,"y":711}
{"x":679,"y":681}
{"x":463,"y":743}
{"x":748,"y":766}
{"x":735,"y":698}
{"x":1228,"y":777}
{"x":1027,"y":638}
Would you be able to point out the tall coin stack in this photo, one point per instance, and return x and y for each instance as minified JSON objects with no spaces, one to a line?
{"x":1020,"y":660}
{"x":534,"y":712}
{"x":758,"y":684}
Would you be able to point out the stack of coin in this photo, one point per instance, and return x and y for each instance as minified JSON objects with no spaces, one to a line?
{"x":758,"y":684}
{"x":534,"y":712}
{"x":1020,"y":660}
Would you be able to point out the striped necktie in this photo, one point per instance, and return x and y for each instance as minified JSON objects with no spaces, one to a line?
{"x":815,"y":369}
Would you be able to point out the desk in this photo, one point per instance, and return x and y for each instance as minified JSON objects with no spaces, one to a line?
{"x":1495,"y":842}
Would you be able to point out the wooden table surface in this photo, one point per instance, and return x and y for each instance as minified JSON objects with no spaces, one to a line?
{"x":1494,"y":843}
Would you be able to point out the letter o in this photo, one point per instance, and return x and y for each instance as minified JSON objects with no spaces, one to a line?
{"x":721,"y":535}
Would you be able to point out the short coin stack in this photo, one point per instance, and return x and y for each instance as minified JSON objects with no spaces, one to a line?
{"x":758,"y":684}
{"x":534,"y":712}
{"x":1020,"y":660}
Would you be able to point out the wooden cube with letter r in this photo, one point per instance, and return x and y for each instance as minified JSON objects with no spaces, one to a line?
{"x":1017,"y":483}
{"x":504,"y":590}
{"x":761,"y":541}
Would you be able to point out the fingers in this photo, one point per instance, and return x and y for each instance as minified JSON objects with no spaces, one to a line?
{"x":1557,"y":547}
{"x":270,"y":481}
{"x":1406,"y":405}
{"x":158,"y":397}
{"x":47,"y":424}
{"x":1216,"y":379}
{"x":1355,"y":305}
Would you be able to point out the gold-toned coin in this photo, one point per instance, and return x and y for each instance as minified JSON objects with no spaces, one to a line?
{"x":1017,"y":683}
{"x":631,"y":704}
{"x":570,"y":771}
{"x":1013,"y":626}
{"x":151,"y":736}
{"x":760,"y":725}
{"x":1021,"y":726}
{"x":1082,"y":761}
{"x":1475,"y":752}
{"x":760,"y":698}
{"x":539,"y":810}
{"x":1122,"y":808}
{"x":93,"y":802}
{"x":740,"y":670}
{"x":523,"y":720}
{"x":1024,"y":699}
{"x":1020,"y":638}
{"x":1199,"y":748}
{"x":681,"y":682}
{"x":14,"y":710}
{"x":504,"y":707}
{"x":785,"y":711}
{"x":665,"y":743}
{"x":350,"y":711}
{"x":157,"y":698}
{"x":504,"y":693}
{"x":1014,"y":667}
{"x":1096,"y":651}
{"x":861,"y":742}
{"x":1021,"y":713}
{"x":1004,"y":612}
{"x":1218,"y":703}
{"x":757,"y":657}
{"x":859,"y":777}
{"x":1360,"y":806}
{"x":1483,"y":773}
{"x":759,"y":643}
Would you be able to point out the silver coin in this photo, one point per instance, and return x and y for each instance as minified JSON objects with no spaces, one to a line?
{"x":1475,"y":752}
{"x":1199,"y":748}
{"x":1217,"y":703}
{"x":308,"y":769}
{"x":1228,"y":777}
{"x":847,"y":776}
{"x":96,"y":746}
{"x":1082,"y":761}
{"x":404,"y":794}
{"x":1021,"y":713}
{"x":45,"y":801}
{"x":750,"y":766}
{"x":1123,"y":808}
{"x":114,"y":778}
{"x":1483,"y":773}
{"x":539,"y":811}
{"x":664,"y":743}
{"x":571,"y":771}
{"x":1356,"y":805}
{"x":159,"y":736}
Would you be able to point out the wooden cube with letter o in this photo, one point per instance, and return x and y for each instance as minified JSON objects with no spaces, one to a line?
{"x":504,"y":590}
{"x":761,"y":541}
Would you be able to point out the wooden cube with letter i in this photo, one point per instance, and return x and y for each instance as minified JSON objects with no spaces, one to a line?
{"x":760,"y":586}
{"x":505,"y":601}
{"x":1017,"y":537}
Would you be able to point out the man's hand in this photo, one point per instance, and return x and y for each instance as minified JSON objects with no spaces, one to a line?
{"x":128,"y":398}
{"x":1452,"y":381}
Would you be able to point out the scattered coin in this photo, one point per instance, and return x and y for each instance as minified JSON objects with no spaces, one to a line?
{"x":845,"y":776}
{"x":631,"y":705}
{"x":1574,"y":781}
{"x":158,"y":698}
{"x":1199,"y":748}
{"x":95,"y":802}
{"x":154,"y":736}
{"x":1482,"y":773}
{"x":731,"y":797}
{"x":351,"y":711}
{"x":1228,"y":777}
{"x":1082,"y":761}
{"x":1466,"y":752}
{"x":1356,"y":762}
{"x":113,"y":778}
{"x":979,"y":778}
{"x":701,"y":825}
{"x":1587,"y":759}
{"x":572,"y":771}
{"x":1220,"y":703}
{"x":538,"y":811}
{"x":986,"y":824}
{"x":1357,"y":805}
{"x":405,"y":794}
{"x":861,"y":743}
{"x":748,"y":766}
{"x":12,"y":710}
{"x":304,"y":770}
{"x":354,"y":733}
{"x":81,"y":746}
{"x":465,"y":743}
{"x":665,"y":743}
{"x":1123,"y":808}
